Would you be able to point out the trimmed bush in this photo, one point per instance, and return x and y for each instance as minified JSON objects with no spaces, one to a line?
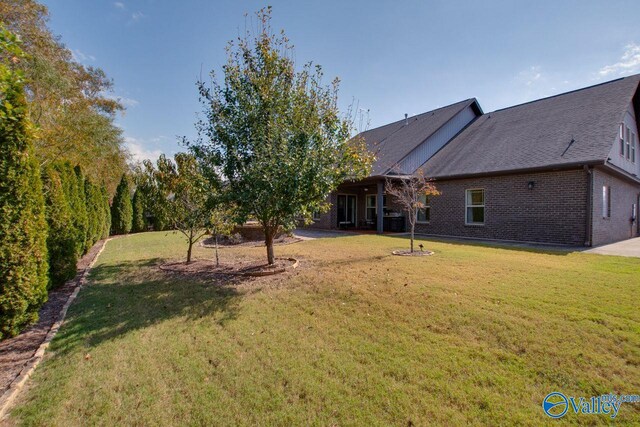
{"x":139,"y":221}
{"x":106,"y":213}
{"x":79,"y":209}
{"x":23,"y":228}
{"x":95,"y":213}
{"x":61,"y":243}
{"x":121,"y":209}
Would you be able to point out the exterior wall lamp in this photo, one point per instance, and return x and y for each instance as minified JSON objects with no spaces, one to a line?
{"x":531,"y":184}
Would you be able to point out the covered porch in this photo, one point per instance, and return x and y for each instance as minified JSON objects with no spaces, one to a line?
{"x":357,"y":206}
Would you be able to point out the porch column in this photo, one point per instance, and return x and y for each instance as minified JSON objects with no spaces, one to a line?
{"x":379,"y":208}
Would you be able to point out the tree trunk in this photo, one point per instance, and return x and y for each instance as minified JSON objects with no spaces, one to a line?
{"x":217,"y":259}
{"x":190,"y":247}
{"x":413,"y":228}
{"x":189,"y":252}
{"x":268,"y":241}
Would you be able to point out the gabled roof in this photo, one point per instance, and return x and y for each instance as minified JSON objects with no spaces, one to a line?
{"x":539,"y":134}
{"x":392,"y":142}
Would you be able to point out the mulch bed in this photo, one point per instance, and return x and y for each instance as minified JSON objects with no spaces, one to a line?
{"x":17,"y":351}
{"x":239,"y":268}
{"x":407,"y":252}
{"x":285,"y":240}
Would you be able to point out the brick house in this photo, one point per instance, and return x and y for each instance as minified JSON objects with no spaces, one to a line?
{"x":560,"y":170}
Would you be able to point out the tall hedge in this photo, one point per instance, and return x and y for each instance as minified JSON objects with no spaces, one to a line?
{"x":106,"y":214}
{"x":121,"y":209}
{"x":61,"y":243}
{"x":23,"y":228}
{"x":79,"y":207}
{"x":95,"y":213}
{"x":139,"y":221}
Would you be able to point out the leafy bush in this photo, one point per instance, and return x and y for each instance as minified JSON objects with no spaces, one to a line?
{"x":61,"y":244}
{"x":139,"y":221}
{"x":106,"y":214}
{"x":121,"y":209}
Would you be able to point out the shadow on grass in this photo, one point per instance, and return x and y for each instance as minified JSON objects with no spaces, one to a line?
{"x":547,"y":249}
{"x":130,"y":296}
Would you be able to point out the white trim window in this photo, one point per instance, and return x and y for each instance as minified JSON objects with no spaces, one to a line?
{"x":316,"y":216}
{"x":423,"y":215}
{"x":370,"y":209}
{"x":474,"y":206}
{"x":606,"y":201}
{"x":633,"y":147}
{"x":622,"y":139}
{"x":628,"y":142}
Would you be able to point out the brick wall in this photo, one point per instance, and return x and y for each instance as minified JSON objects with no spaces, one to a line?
{"x":554,"y":211}
{"x":623,"y":196}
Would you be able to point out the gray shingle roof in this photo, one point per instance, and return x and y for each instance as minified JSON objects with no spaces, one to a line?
{"x":538,"y":134}
{"x":394,"y":141}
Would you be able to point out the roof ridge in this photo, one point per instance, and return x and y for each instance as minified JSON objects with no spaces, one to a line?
{"x":564,"y":93}
{"x":417,"y":115}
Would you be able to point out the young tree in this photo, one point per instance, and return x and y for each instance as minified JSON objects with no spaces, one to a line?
{"x":23,"y":227}
{"x":139,"y":221}
{"x":121,"y":209}
{"x":275,"y":133}
{"x":186,"y":193}
{"x":220,"y":224}
{"x":411,"y":193}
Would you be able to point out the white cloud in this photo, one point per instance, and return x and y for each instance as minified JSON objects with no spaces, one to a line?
{"x":140,"y":150}
{"x":136,"y":16}
{"x":531,"y":75}
{"x":80,"y":56}
{"x":629,"y":62}
{"x":119,"y":5}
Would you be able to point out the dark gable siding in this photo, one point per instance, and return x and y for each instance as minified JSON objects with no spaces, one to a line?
{"x":553,"y":212}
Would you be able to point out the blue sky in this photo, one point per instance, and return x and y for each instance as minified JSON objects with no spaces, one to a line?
{"x":393,"y":57}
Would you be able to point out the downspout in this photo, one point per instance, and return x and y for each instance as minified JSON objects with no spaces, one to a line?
{"x":589,"y":227}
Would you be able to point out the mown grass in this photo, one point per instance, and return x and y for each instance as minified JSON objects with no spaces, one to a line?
{"x":472,"y":335}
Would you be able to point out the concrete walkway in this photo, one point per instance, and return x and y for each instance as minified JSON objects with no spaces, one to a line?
{"x":630,"y":247}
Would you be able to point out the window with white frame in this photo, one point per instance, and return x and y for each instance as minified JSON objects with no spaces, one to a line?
{"x":424,"y":214}
{"x":621,"y":139}
{"x":474,"y":206}
{"x":316,"y":216}
{"x":606,"y":201}
{"x":371,"y":208}
{"x":628,"y":143}
{"x":633,"y":147}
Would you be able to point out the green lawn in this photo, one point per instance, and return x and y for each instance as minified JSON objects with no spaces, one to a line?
{"x":472,"y":335}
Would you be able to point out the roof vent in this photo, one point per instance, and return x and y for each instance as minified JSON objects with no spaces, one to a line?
{"x":406,"y":119}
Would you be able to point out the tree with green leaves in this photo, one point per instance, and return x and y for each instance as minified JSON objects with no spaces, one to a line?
{"x":23,"y":227}
{"x":139,"y":221}
{"x":121,"y":208}
{"x":70,"y":103}
{"x":275,"y":133}
{"x":61,"y":243}
{"x":186,"y":192}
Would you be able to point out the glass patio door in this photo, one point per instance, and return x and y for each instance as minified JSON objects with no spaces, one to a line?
{"x":346,"y":210}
